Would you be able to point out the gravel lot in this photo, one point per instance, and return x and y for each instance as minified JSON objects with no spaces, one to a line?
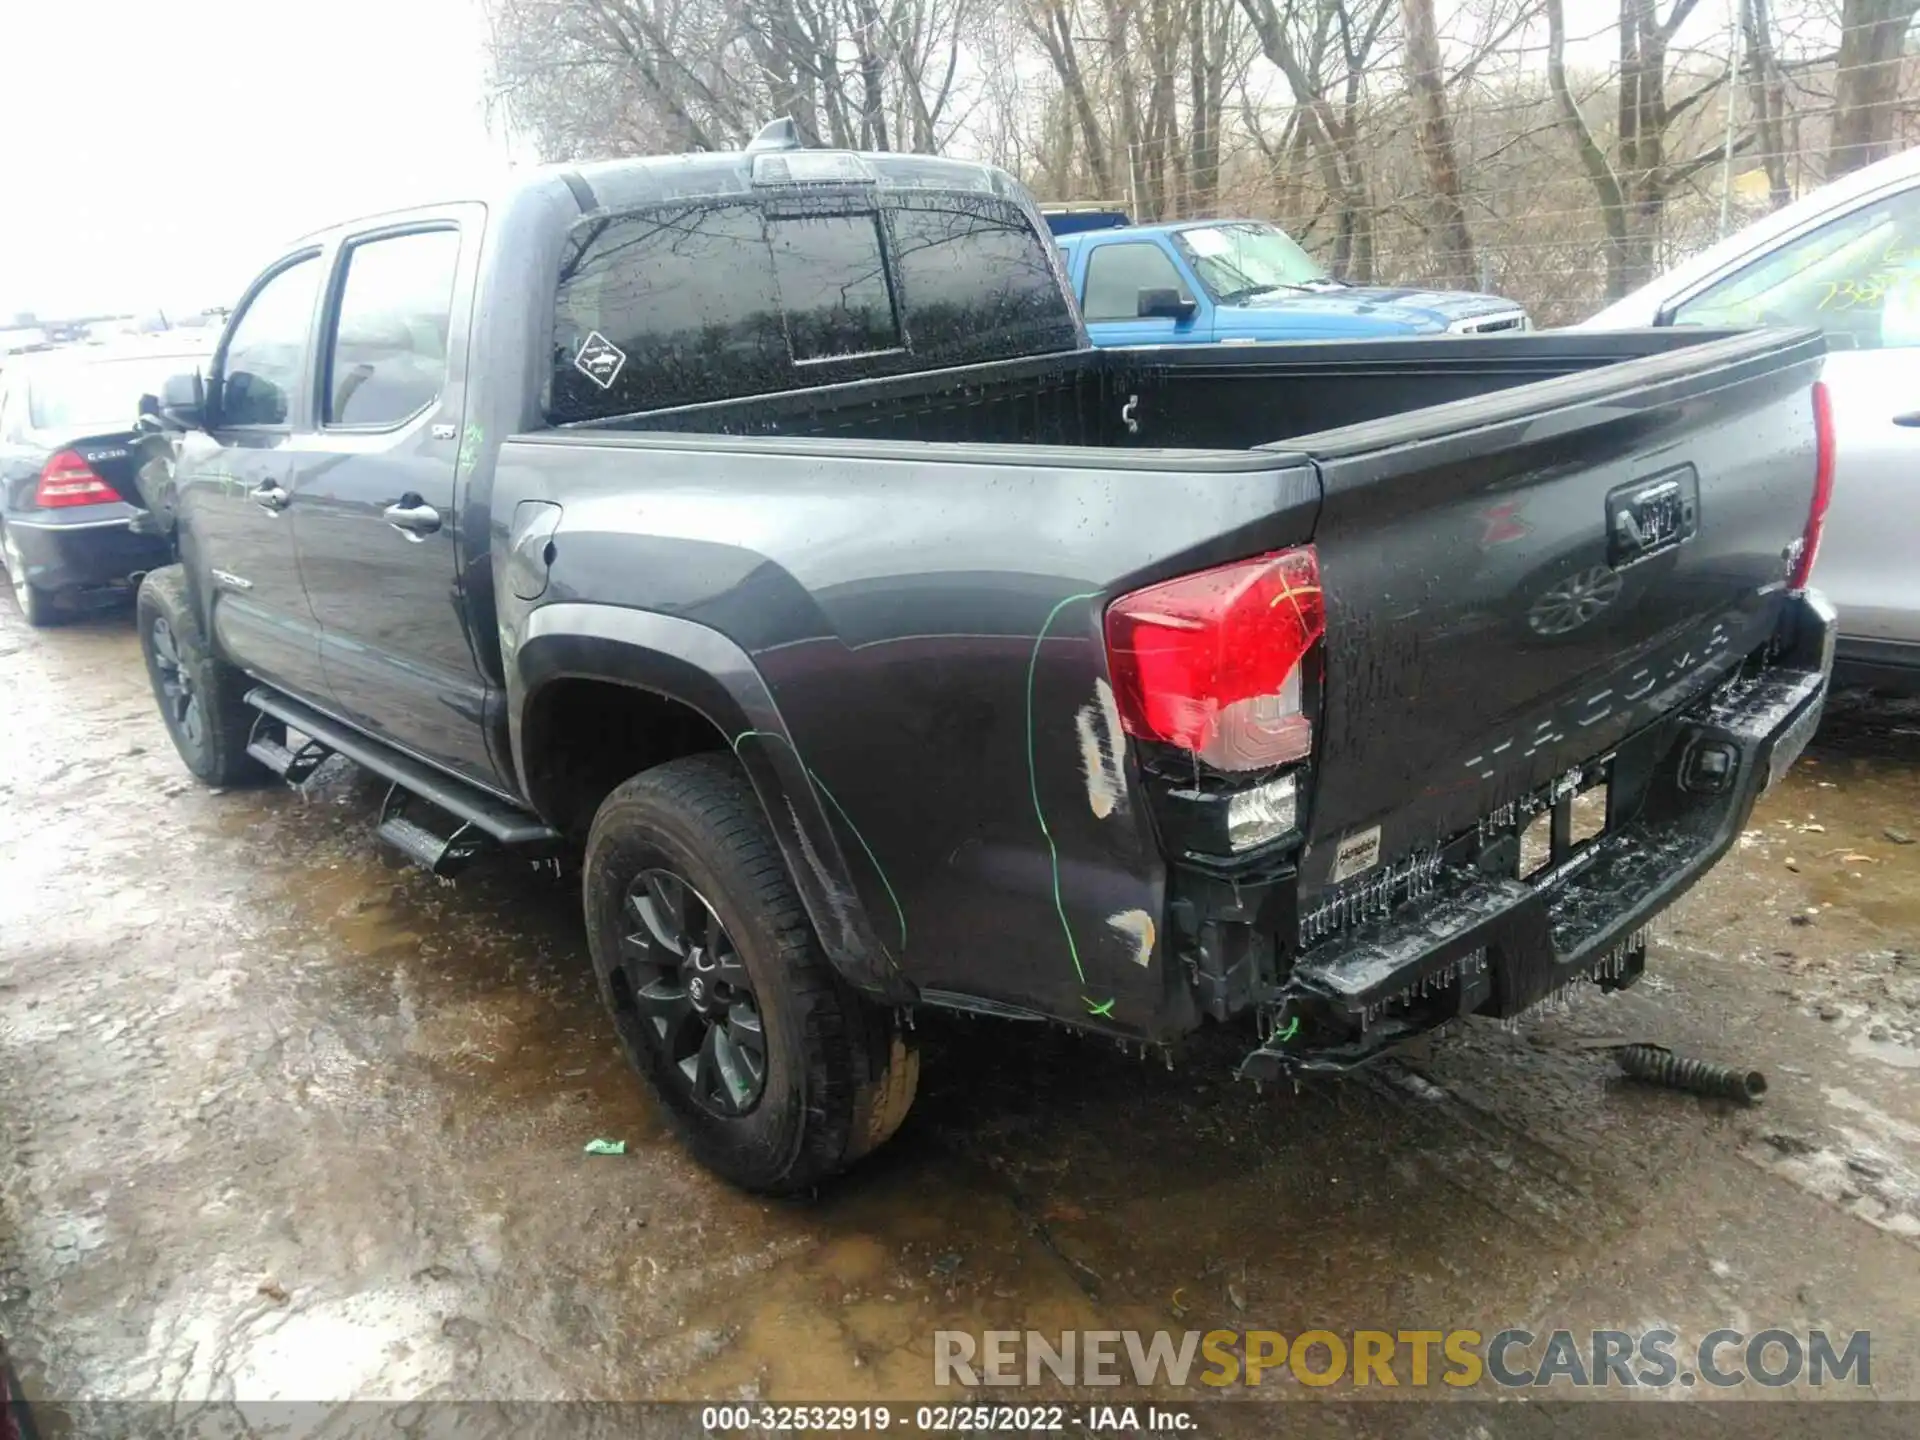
{"x":282,"y":1118}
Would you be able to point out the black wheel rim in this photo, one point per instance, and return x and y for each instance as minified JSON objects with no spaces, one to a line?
{"x":680,"y":978}
{"x":179,"y":699}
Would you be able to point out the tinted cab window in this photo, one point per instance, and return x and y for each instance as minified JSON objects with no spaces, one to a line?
{"x":976,"y":282}
{"x":675,"y":305}
{"x":833,"y":285}
{"x":267,"y":346}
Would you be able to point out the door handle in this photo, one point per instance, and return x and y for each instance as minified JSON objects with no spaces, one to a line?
{"x":412,"y":517}
{"x":270,"y":496}
{"x":1911,"y":419}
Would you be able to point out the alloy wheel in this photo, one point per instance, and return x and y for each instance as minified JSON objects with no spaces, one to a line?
{"x":179,"y":698}
{"x":680,"y":975}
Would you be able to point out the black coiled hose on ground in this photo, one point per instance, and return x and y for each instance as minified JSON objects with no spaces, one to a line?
{"x":1660,"y":1066}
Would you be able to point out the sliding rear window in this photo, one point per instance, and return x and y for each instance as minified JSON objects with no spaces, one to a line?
{"x":682,"y":304}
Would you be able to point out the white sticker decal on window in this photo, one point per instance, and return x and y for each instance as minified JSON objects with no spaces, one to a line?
{"x":600,"y":360}
{"x":1358,"y":853}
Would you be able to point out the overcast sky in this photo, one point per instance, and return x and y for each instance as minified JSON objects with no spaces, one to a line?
{"x":154,"y":153}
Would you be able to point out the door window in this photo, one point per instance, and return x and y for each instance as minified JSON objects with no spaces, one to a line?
{"x":1116,"y":274}
{"x":1856,"y":277}
{"x":261,"y":367}
{"x":387,"y":353}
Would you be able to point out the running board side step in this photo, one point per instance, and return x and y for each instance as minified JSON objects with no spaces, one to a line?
{"x":269,"y":744}
{"x":481,"y":821}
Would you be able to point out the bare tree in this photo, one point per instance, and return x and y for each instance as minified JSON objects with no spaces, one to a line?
{"x":1324,"y":54}
{"x":593,"y":76}
{"x":1767,"y":97}
{"x":1055,"y":23}
{"x":1607,"y":189}
{"x":1426,"y":80}
{"x":1873,"y":36}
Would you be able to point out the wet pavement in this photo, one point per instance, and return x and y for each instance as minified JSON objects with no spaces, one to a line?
{"x":283,"y":1118}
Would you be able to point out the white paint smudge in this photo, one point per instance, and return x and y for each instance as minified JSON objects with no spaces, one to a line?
{"x":1137,"y":926}
{"x":1103,"y":752}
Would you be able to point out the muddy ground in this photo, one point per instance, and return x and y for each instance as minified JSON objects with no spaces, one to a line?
{"x":280,"y":1117}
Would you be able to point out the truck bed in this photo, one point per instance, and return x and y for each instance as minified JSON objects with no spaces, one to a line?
{"x":919,"y":567}
{"x":1183,"y":397}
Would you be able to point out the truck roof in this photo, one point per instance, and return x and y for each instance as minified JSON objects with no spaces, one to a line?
{"x":635,"y":181}
{"x":1163,"y":227}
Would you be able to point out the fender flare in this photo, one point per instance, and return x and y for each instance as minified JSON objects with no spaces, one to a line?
{"x":701,"y":668}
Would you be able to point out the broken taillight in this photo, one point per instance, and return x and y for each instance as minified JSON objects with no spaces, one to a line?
{"x":1822,"y":487}
{"x":67,"y":479}
{"x":1213,"y":662}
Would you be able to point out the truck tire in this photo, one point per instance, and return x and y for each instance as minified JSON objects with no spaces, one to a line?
{"x":36,"y":606}
{"x":775,"y":1073}
{"x":200,"y":695}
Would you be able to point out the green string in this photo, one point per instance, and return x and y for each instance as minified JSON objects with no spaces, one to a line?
{"x":840,"y":810}
{"x":1105,"y":1007}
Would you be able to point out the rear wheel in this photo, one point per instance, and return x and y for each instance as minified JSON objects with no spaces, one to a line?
{"x":36,"y":606}
{"x":200,"y":695}
{"x":774,"y":1071}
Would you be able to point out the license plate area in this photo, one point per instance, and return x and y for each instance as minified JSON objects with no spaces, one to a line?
{"x":1652,"y":515}
{"x":1564,"y":824}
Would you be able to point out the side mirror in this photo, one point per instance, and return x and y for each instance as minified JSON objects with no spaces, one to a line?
{"x":182,"y":403}
{"x":1166,"y":304}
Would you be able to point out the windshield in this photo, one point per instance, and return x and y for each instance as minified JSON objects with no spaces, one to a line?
{"x":98,"y":394}
{"x":1238,"y":261}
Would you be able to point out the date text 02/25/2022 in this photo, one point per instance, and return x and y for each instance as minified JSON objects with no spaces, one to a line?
{"x":946,"y":1419}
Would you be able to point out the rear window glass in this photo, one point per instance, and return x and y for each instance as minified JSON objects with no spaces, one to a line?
{"x":833,"y":285}
{"x":977,"y":283}
{"x":103,"y":395}
{"x":667,"y":307}
{"x":677,"y":305}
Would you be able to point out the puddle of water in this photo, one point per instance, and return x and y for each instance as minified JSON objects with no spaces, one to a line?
{"x":1888,"y":1052}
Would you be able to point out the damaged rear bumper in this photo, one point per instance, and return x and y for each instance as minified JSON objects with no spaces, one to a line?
{"x":1469,"y":941}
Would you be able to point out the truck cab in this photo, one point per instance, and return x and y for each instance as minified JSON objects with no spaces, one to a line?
{"x":1205,"y":282}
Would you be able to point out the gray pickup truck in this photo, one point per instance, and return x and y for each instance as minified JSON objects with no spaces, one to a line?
{"x":762,"y":526}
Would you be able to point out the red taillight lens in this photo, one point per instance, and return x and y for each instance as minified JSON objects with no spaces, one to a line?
{"x":67,"y":479}
{"x":1822,"y":487}
{"x":1212,"y":662}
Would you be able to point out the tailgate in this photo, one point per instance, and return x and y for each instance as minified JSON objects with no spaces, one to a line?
{"x":1515,"y":583}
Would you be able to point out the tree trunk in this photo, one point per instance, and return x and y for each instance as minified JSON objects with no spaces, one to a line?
{"x":1600,"y":174}
{"x":1333,"y":136}
{"x":1054,"y":29}
{"x":1867,"y":89}
{"x":1767,"y":94}
{"x":1434,"y":132}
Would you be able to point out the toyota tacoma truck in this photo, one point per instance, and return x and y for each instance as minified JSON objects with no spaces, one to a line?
{"x":761,"y":529}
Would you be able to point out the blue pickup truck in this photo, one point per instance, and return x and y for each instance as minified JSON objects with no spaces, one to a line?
{"x":1240,"y":281}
